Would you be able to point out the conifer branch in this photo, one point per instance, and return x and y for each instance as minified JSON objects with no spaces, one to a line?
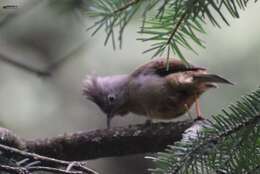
{"x":220,"y":145}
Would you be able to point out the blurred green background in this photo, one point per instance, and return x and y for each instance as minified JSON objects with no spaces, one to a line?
{"x":51,"y":35}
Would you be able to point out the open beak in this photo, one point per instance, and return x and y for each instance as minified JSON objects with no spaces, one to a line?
{"x":109,"y":118}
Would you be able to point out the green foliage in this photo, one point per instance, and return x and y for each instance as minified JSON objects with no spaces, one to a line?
{"x":228,"y":144}
{"x":174,"y":25}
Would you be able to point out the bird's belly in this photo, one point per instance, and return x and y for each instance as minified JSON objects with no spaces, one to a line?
{"x":161,"y":106}
{"x":155,"y":99}
{"x":158,"y":111}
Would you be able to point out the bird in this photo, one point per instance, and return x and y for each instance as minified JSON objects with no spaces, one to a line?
{"x":160,"y":89}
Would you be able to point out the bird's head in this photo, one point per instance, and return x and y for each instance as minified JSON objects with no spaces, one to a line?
{"x":109,"y":93}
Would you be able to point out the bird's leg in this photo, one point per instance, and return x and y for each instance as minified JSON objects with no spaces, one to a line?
{"x":109,"y":118}
{"x":198,"y":110}
{"x":149,"y":121}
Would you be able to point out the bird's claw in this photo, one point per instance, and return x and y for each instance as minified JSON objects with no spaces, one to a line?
{"x":148,"y":122}
{"x":199,"y":118}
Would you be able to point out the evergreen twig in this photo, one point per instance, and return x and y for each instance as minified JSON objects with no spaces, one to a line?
{"x":175,"y":24}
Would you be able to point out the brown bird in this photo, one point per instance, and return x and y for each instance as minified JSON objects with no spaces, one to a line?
{"x":152,"y":90}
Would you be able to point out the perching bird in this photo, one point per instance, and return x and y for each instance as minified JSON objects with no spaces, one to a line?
{"x":152,"y":90}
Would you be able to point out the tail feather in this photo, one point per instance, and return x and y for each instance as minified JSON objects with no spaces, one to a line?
{"x":211,"y":78}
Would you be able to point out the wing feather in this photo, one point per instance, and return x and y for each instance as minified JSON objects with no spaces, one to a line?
{"x":159,"y":67}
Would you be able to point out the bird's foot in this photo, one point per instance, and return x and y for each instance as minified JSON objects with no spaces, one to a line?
{"x":199,"y":118}
{"x":148,"y":122}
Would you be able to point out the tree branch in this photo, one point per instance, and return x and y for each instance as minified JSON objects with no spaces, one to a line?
{"x":85,"y":145}
{"x":22,"y":170}
{"x":13,"y":170}
{"x":175,"y":29}
{"x":23,"y":66}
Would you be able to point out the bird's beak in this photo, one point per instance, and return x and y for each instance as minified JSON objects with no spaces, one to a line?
{"x":109,"y":118}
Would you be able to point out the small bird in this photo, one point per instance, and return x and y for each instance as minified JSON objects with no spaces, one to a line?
{"x":159,"y":89}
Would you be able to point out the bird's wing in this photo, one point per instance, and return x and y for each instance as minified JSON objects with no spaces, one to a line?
{"x":191,"y":79}
{"x":213,"y":78}
{"x":159,"y":67}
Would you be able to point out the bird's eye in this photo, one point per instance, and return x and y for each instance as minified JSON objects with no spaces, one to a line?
{"x":111,"y":98}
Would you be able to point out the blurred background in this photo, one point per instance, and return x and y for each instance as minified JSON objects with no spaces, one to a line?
{"x":45,"y":53}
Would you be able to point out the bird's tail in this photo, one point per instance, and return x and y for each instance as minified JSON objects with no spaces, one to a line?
{"x":213,"y":78}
